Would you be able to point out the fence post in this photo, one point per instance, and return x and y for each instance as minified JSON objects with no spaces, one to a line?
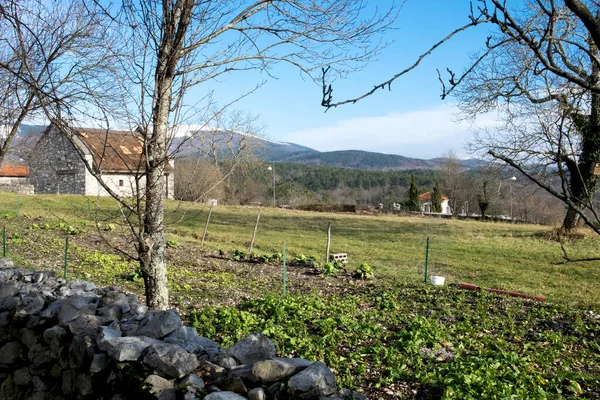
{"x":426,"y":260}
{"x":66,"y":256}
{"x":4,"y":241}
{"x":206,"y":226}
{"x":284,"y":272}
{"x":254,"y":233}
{"x":328,"y":241}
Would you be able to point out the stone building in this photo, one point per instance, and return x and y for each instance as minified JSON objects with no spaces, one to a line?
{"x":57,"y":163}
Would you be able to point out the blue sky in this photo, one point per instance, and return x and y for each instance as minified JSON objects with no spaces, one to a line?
{"x":411,"y":120}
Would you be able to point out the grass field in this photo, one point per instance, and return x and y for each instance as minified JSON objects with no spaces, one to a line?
{"x":505,"y":256}
{"x":390,"y":337}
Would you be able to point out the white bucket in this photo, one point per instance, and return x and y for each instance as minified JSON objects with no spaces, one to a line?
{"x":437,"y":280}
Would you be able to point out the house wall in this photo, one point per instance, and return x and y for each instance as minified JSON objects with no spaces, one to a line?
{"x":446,"y":207}
{"x":426,"y":207}
{"x":16,"y":184}
{"x":113,"y":180}
{"x":55,"y":166}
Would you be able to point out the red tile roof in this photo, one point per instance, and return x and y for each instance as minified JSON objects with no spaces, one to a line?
{"x":14,"y":171}
{"x":427,"y":197}
{"x":115,"y":150}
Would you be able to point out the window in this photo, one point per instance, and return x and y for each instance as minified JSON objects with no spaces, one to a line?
{"x":120,"y":182}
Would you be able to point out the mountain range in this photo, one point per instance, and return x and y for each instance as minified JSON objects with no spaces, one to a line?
{"x":270,"y":151}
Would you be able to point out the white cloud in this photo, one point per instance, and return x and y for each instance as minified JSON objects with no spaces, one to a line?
{"x":424,"y":133}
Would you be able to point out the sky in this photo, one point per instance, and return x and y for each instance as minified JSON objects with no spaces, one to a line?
{"x":410,"y":120}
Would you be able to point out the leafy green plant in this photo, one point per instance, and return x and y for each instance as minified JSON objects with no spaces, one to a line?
{"x":304,"y":261}
{"x":364,"y":272}
{"x":329,"y":268}
{"x":172,"y":244}
{"x":66,"y":228}
{"x":33,"y":227}
{"x":270,"y":258}
{"x":238,"y":255}
{"x":136,"y":276}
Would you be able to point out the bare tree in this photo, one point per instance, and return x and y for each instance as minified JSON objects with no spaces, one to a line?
{"x":454,"y":182}
{"x":541,"y":59}
{"x":173,"y":46}
{"x":51,"y":54}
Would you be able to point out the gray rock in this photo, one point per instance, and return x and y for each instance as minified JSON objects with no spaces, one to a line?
{"x":6,"y":263}
{"x":55,"y":337}
{"x":10,"y":353}
{"x":128,"y":348}
{"x":99,"y":363}
{"x":81,"y":351}
{"x":187,"y":337}
{"x":315,"y":381}
{"x":244,"y":372}
{"x":273,"y":370}
{"x":224,"y":396}
{"x":87,"y":323}
{"x":257,"y":394}
{"x":254,"y":348}
{"x":40,"y":277}
{"x":29,"y":305}
{"x":52,"y":310}
{"x":4,"y":319}
{"x":28,"y":338}
{"x":76,"y":306}
{"x":113,"y":312}
{"x":39,"y":356}
{"x":22,"y":376}
{"x":8,"y":303}
{"x":210,"y":368}
{"x":5,"y":274}
{"x":9,"y":289}
{"x":226,"y":362}
{"x":81,"y":285}
{"x":358,"y":396}
{"x":231,"y":383}
{"x":159,"y":324}
{"x":170,"y":360}
{"x":194,"y":381}
{"x":160,"y":387}
{"x":105,"y":334}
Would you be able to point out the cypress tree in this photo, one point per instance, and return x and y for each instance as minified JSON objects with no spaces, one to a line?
{"x":436,"y":199}
{"x":413,"y":193}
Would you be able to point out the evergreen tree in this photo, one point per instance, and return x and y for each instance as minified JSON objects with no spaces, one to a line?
{"x":436,"y":199}
{"x":413,"y":193}
{"x":483,"y":201}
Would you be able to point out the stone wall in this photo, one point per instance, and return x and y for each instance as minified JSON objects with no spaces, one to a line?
{"x":72,"y":340}
{"x":22,"y":187}
{"x":55,"y":165}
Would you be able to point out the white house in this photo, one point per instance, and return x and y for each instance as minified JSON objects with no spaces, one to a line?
{"x":425,"y":200}
{"x":57,"y":166}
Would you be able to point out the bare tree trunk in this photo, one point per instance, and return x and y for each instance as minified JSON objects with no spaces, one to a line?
{"x":153,"y":248}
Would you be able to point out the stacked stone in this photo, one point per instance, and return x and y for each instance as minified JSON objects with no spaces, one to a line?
{"x":72,"y":340}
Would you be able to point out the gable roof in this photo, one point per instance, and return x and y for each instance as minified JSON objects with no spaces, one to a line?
{"x":427,"y":197}
{"x":115,"y":150}
{"x":14,"y":171}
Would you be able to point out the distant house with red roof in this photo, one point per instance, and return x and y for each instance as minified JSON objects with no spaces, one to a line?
{"x":15,"y":178}
{"x":58,"y":164}
{"x":426,"y":204}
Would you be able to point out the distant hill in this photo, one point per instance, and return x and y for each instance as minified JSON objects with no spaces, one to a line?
{"x":360,"y":160}
{"x":271,"y":150}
